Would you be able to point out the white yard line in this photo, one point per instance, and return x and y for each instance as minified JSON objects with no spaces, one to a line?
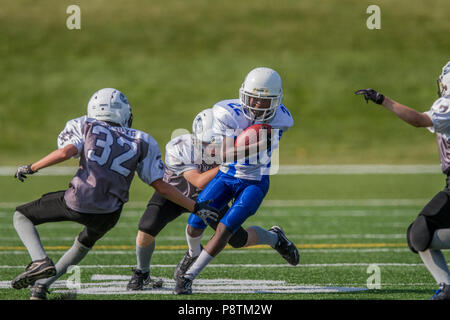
{"x":284,"y":169}
{"x":313,"y":265}
{"x":276,"y":203}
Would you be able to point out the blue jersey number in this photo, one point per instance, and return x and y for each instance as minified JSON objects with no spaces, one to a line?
{"x":283,"y":108}
{"x":236,"y":108}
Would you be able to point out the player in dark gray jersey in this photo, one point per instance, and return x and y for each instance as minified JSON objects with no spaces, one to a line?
{"x":110,"y":152}
{"x":430,"y":232}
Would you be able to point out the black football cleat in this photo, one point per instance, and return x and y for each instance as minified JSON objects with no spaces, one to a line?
{"x":443,"y":293}
{"x":285,"y":248}
{"x":38,"y":292}
{"x":183,"y":285}
{"x":36,"y":270}
{"x":184,"y":265}
{"x":138,"y":280}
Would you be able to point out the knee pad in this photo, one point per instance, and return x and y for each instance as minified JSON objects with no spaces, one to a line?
{"x":435,"y":215}
{"x":419,"y":234}
{"x":239,"y":238}
{"x":89,"y":237}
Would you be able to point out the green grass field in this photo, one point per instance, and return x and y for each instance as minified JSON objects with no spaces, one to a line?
{"x":337,"y":241}
{"x":174,"y":58}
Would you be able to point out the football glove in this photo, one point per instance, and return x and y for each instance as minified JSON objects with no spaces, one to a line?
{"x":22,"y":172}
{"x":204,"y":211}
{"x":371,"y":94}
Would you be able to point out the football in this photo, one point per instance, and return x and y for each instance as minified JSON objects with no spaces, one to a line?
{"x":252,"y":134}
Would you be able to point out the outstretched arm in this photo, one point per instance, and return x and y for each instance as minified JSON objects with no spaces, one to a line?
{"x":410,"y":116}
{"x":52,"y":158}
{"x":201,"y":209}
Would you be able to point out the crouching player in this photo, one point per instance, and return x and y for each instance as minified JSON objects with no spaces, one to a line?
{"x":238,"y":179}
{"x":110,"y":153}
{"x":430,"y":231}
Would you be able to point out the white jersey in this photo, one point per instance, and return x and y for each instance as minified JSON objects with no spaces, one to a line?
{"x":229,"y":121}
{"x":439,"y":113}
{"x":182,"y":155}
{"x":109,"y":157}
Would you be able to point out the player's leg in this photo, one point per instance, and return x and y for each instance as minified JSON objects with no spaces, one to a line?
{"x":220,"y":192}
{"x":49,"y":208}
{"x":96,"y":226}
{"x":158,"y":214}
{"x":428,"y":234}
{"x":436,"y":264}
{"x":249,"y":198}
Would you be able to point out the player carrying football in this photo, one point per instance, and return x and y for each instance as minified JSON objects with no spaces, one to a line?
{"x":243,"y":181}
{"x":430,"y":232}
{"x":191,"y":161}
{"x":110,"y":152}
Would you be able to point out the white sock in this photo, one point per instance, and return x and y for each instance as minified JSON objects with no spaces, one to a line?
{"x":202,"y":261}
{"x":29,"y":236}
{"x":435,"y":262}
{"x":433,"y":258}
{"x":194,"y":244}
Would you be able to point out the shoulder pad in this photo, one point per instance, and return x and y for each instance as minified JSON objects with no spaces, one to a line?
{"x":283,"y":119}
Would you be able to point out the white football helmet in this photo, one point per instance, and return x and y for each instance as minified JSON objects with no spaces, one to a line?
{"x":261,"y":83}
{"x":109,"y":104}
{"x":444,"y":81}
{"x":202,"y":126}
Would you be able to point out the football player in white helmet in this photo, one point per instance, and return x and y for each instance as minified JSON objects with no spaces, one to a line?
{"x":244,"y":182}
{"x":110,"y":105}
{"x":110,"y":153}
{"x":191,"y":163}
{"x":430,"y":232}
{"x":261,"y":94}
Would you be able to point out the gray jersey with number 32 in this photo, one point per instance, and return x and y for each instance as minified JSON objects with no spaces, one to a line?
{"x":109,"y":157}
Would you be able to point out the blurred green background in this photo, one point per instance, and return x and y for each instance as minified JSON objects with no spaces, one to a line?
{"x":174,"y":58}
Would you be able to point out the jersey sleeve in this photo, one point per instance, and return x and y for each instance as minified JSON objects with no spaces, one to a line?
{"x":73,"y":134}
{"x":439,"y":114}
{"x":225,"y":123}
{"x":151,"y":168}
{"x":179,"y":155}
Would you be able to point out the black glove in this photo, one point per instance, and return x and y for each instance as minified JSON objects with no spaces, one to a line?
{"x":204,"y":211}
{"x":22,"y":172}
{"x":370,"y":94}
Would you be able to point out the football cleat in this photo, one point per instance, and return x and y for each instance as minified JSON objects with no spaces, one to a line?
{"x":285,"y":248}
{"x":443,"y":293}
{"x":183,"y":285}
{"x":184,"y":265}
{"x":36,"y":270}
{"x":38,"y":292}
{"x":138,"y":280}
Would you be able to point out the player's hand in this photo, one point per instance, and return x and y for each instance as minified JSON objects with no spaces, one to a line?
{"x":22,"y":172}
{"x":204,"y":211}
{"x":371,"y":94}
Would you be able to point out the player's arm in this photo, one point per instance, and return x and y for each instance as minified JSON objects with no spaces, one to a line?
{"x":410,"y":116}
{"x":52,"y":158}
{"x":230,"y":151}
{"x":407,"y":114}
{"x":203,"y":210}
{"x":200,"y":179}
